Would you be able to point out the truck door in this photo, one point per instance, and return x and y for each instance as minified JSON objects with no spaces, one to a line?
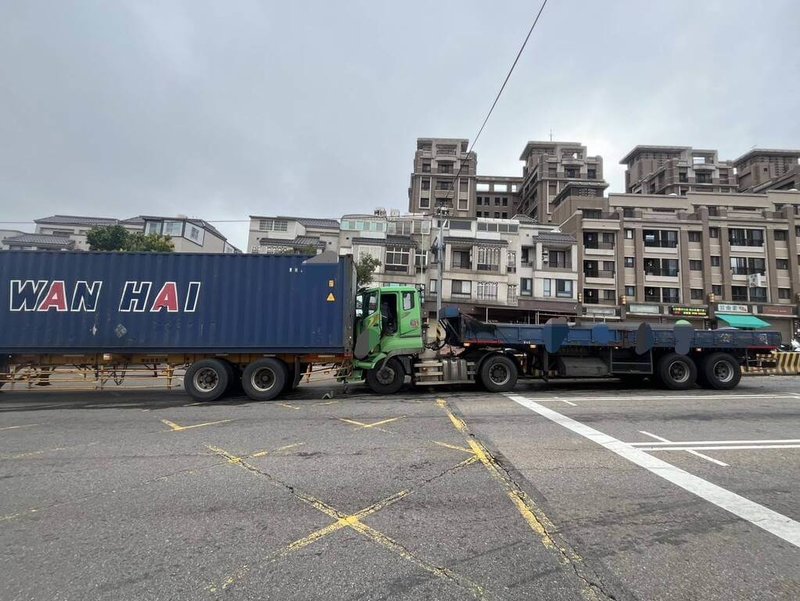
{"x":409,"y":311}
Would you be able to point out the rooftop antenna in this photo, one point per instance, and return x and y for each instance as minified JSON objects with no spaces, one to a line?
{"x":551,"y":134}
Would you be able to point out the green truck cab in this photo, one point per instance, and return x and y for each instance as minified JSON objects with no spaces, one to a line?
{"x":389,"y":332}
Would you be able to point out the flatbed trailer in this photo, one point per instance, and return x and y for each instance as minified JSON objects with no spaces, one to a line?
{"x":676,"y":357}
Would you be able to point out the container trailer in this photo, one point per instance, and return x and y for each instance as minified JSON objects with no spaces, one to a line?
{"x":260,"y":323}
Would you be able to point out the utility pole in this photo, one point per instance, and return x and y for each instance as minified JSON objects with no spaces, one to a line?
{"x":441,"y":211}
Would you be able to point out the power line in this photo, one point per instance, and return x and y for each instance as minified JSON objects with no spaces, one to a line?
{"x":500,"y":92}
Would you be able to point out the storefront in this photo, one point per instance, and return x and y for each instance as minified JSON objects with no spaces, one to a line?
{"x":782,"y":318}
{"x":695,"y":315}
{"x":743,"y":317}
{"x":643,"y":312}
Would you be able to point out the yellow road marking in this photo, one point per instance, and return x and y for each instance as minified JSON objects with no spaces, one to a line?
{"x":532,"y":515}
{"x":17,"y":427}
{"x":352,"y":521}
{"x":454,"y":447}
{"x":363,"y":425}
{"x":43,"y":451}
{"x":176,"y":428}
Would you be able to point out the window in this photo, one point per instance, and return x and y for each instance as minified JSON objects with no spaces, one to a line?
{"x":505,"y":201}
{"x":695,"y":237}
{"x":713,"y":232}
{"x":173,"y":228}
{"x":269,"y":225}
{"x":608,"y":267}
{"x":607,"y":238}
{"x":781,"y":235}
{"x":445,"y":167}
{"x":397,"y":258}
{"x":697,"y":294}
{"x":558,"y":259}
{"x":462,"y":288}
{"x":426,"y":167}
{"x":460,"y":225}
{"x":715,"y":260}
{"x":592,"y":214}
{"x":695,"y":265}
{"x":746,"y":237}
{"x":660,"y":238}
{"x":444,"y":184}
{"x":784,"y":293}
{"x":564,"y":288}
{"x":526,"y":285}
{"x":629,"y":234}
{"x":488,"y":258}
{"x":609,"y":295}
{"x":627,"y":212}
{"x":195,"y":234}
{"x":670,"y":295}
{"x":486,"y":290}
{"x":152,"y":227}
{"x":652,"y":295}
{"x":434,"y":287}
{"x":630,"y":261}
{"x":782,"y":264}
{"x":408,"y":301}
{"x":461,"y":259}
{"x":758,"y":294}
{"x":630,"y":291}
{"x":511,"y":261}
{"x":425,"y":183}
{"x":425,"y":203}
{"x":546,"y":290}
{"x":512,"y":294}
{"x":591,"y":174}
{"x":739,"y":293}
{"x":716,"y":290}
{"x":421,"y":259}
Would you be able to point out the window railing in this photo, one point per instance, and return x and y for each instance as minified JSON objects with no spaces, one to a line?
{"x":594,"y":244}
{"x":488,"y":267}
{"x":662,"y":271}
{"x":598,"y":273}
{"x":396,"y":267}
{"x":746,"y":270}
{"x":661,"y":243}
{"x":652,"y":298}
{"x":746,"y":241}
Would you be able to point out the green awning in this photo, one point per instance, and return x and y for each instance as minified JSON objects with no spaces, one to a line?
{"x":743,"y":321}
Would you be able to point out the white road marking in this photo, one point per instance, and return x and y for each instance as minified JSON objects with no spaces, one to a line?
{"x":707,"y":397}
{"x":692,"y":451}
{"x":758,"y":515}
{"x":722,"y":447}
{"x":568,"y":402}
{"x":687,"y":443}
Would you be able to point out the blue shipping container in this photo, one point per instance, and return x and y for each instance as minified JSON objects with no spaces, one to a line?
{"x":62,"y":302}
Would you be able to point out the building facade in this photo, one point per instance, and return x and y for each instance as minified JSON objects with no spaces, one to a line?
{"x":677,"y":170}
{"x":699,"y":257}
{"x":764,"y":169}
{"x":187,"y":234}
{"x":548,"y":168}
{"x":443,"y":176}
{"x":298,"y":235}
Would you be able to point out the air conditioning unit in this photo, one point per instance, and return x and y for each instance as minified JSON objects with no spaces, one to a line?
{"x":757,"y":280}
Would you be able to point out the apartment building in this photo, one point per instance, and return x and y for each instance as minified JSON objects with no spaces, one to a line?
{"x":764,"y":169}
{"x":677,"y":170}
{"x":716,"y":259}
{"x":188,"y":235}
{"x":443,"y":176}
{"x":299,"y":235}
{"x":69,"y":232}
{"x":497,"y":197}
{"x":549,"y":168}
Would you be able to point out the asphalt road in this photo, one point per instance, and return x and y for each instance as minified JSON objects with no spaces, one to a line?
{"x":560,"y":492}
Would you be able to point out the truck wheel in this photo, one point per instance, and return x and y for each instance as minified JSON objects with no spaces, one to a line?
{"x":293,"y":377}
{"x":676,"y":372}
{"x":263,"y":380}
{"x":207,"y":379}
{"x":498,"y":373}
{"x":234,"y":377}
{"x":387,"y":377}
{"x":721,"y":371}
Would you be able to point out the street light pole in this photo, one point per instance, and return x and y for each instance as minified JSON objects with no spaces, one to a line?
{"x":440,"y":212}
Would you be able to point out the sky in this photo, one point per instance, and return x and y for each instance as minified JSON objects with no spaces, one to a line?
{"x":220,"y":110}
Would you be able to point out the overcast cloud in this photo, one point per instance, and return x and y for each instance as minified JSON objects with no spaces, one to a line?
{"x":224,"y":109}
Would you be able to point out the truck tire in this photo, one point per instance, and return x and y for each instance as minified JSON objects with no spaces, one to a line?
{"x":498,"y":373}
{"x":720,"y":371}
{"x":293,"y":377}
{"x":234,"y":378}
{"x":263,"y":380}
{"x":676,"y":372}
{"x":207,"y":379}
{"x":387,"y":377}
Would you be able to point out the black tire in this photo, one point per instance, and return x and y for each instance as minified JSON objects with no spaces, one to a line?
{"x":288,"y":385}
{"x":498,"y":373}
{"x":207,"y":379}
{"x":721,"y":371}
{"x":264,"y":380}
{"x":676,"y":372}
{"x":387,"y":377}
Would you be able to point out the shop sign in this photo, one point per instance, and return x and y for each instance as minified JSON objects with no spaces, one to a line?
{"x":765,"y":310}
{"x":689,"y":311}
{"x":644,"y":309}
{"x":605,"y":311}
{"x":733,"y":308}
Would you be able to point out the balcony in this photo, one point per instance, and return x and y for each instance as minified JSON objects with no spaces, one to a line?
{"x":598,"y":245}
{"x":662,"y":271}
{"x":487,"y":267}
{"x":598,"y":273}
{"x":661,"y":243}
{"x":750,"y":242}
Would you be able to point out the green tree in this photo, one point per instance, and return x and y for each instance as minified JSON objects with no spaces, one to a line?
{"x":107,"y":237}
{"x":365,"y":267}
{"x":116,"y":237}
{"x":139,"y":242}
